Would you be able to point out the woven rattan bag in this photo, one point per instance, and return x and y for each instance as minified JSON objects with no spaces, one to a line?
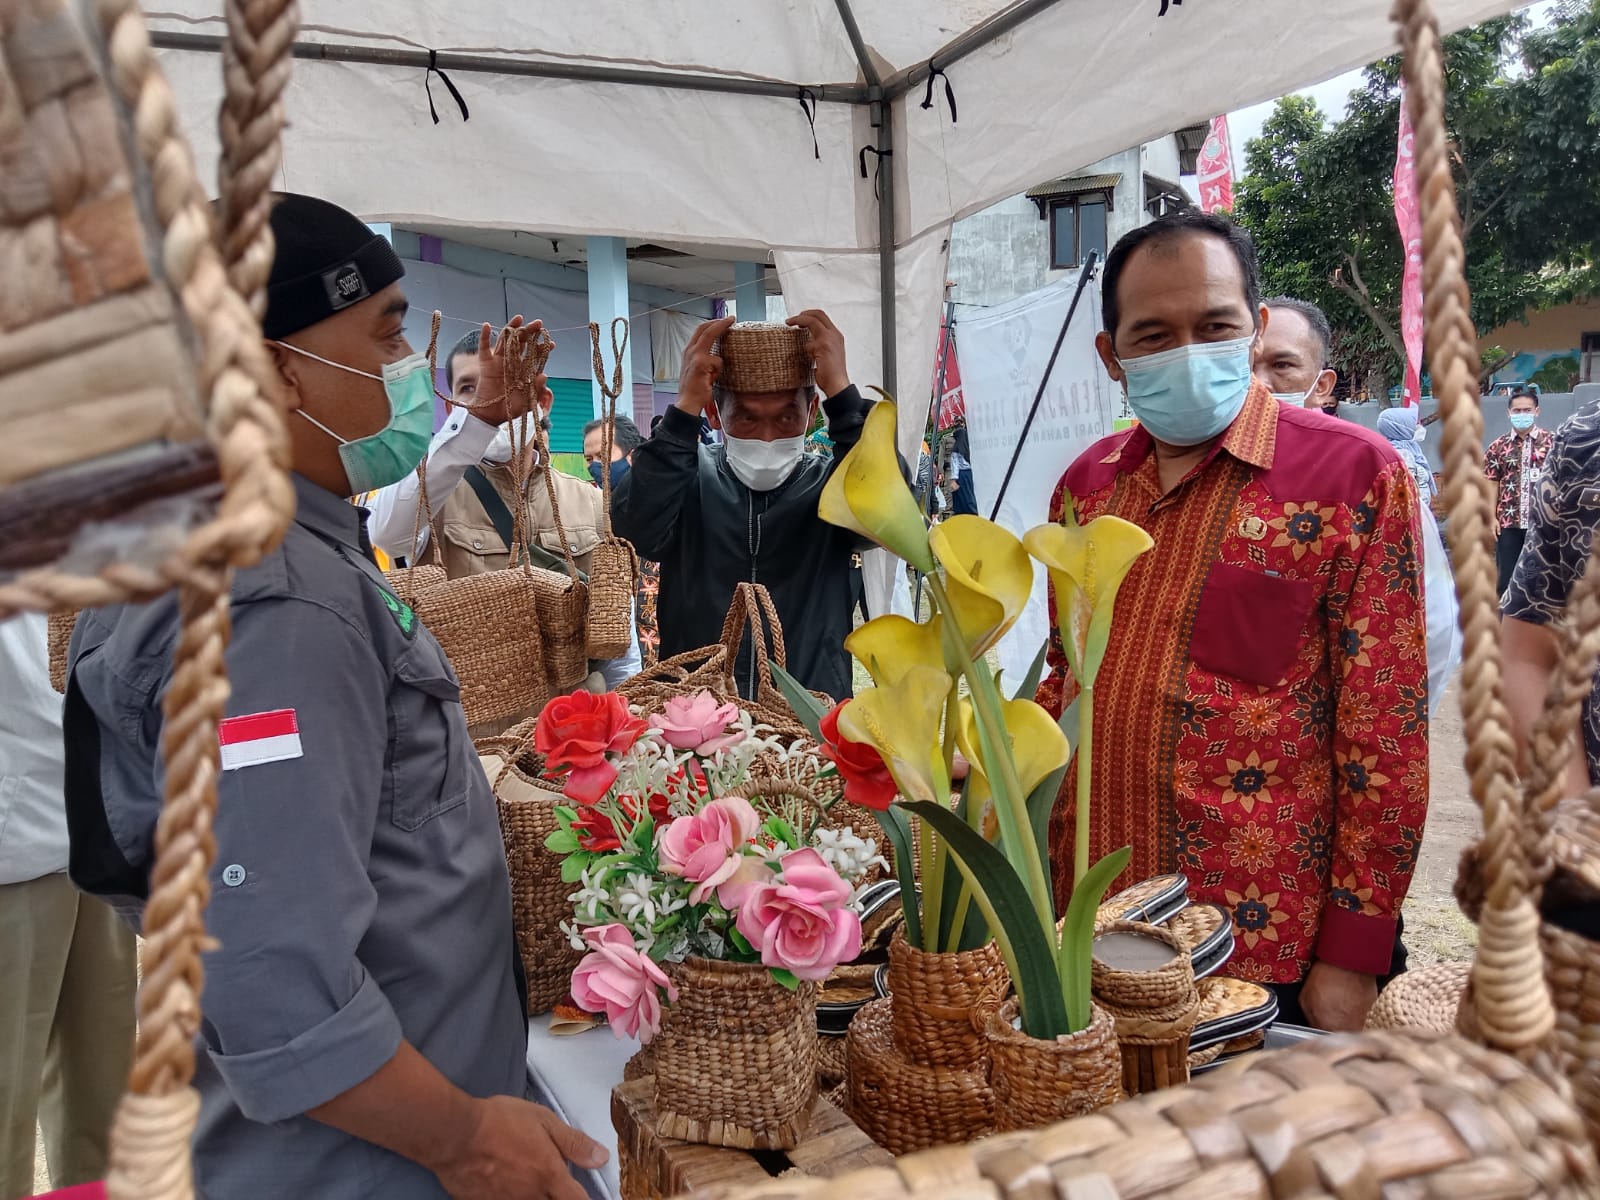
{"x":527,"y":801}
{"x":614,"y":564}
{"x":753,"y":612}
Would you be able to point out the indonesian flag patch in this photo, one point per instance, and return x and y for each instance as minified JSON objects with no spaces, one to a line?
{"x":258,"y":738}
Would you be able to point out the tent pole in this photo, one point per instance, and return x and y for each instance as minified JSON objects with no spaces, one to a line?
{"x":166,"y":39}
{"x":976,"y":38}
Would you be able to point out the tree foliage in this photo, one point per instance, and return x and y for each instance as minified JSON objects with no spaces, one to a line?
{"x":1523,"y":115}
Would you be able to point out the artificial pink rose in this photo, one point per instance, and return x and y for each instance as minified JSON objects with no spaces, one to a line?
{"x":616,"y":979}
{"x":804,"y":923}
{"x":750,"y":874}
{"x":698,"y":723}
{"x":707,"y":848}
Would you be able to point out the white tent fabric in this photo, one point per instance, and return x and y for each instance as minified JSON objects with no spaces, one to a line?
{"x":1067,"y":82}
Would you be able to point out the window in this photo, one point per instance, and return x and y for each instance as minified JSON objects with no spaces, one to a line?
{"x":1077,"y":226}
{"x":1589,"y":367}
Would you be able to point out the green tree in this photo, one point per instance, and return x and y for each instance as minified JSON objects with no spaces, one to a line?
{"x":1523,"y":115}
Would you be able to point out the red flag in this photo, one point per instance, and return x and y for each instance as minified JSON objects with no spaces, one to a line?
{"x":1408,"y":216}
{"x":1215,"y":169}
{"x":952,"y":406}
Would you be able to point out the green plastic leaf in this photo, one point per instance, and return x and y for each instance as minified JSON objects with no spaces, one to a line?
{"x":573,"y":867}
{"x":1077,"y":934}
{"x":897,"y":830}
{"x":998,"y":891}
{"x":807,"y":707}
{"x":1030,"y":681}
{"x":1043,"y":801}
{"x":738,"y":942}
{"x":787,"y":978}
{"x":644,"y":833}
{"x":561,"y":841}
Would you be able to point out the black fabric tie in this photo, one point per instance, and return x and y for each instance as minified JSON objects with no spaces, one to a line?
{"x":427,"y":85}
{"x":949,"y":92}
{"x":881,"y":155}
{"x":808,"y":105}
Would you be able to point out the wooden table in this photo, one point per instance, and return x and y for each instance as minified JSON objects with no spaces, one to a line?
{"x":654,"y":1167}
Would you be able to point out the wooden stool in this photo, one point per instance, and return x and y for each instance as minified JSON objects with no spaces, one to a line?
{"x":653,"y":1167}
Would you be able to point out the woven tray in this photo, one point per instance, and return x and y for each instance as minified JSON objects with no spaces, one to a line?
{"x":1206,"y":932}
{"x":1231,"y":1009}
{"x":1151,"y":901}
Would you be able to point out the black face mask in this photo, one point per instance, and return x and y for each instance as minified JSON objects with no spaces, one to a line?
{"x":618,"y":470}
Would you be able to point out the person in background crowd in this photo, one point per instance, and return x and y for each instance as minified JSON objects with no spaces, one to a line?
{"x":1400,"y":428}
{"x":474,"y":524}
{"x":1561,"y":525}
{"x":365,"y":1028}
{"x":624,"y":442}
{"x":963,"y":492}
{"x":1292,"y":355}
{"x":67,"y":992}
{"x":1282,"y":763}
{"x":655,"y":424}
{"x":1515,"y":461}
{"x":747,"y":510}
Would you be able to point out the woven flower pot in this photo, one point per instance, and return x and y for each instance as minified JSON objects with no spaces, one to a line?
{"x":906,"y":1106}
{"x":1039,"y":1082}
{"x":1153,"y":1010}
{"x":736,"y":1058}
{"x":935,"y":998}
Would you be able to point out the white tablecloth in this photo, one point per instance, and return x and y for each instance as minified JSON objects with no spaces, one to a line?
{"x":577,"y":1074}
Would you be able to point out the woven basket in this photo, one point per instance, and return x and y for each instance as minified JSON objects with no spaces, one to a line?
{"x":936,"y":998}
{"x":1395,"y":1114}
{"x":904,"y":1105}
{"x":538,"y":896}
{"x":681,"y":675}
{"x":410,"y":582}
{"x":1154,"y":1012}
{"x":736,"y":1057}
{"x":1039,"y":1082}
{"x":753,"y":611}
{"x":758,"y":357}
{"x":59,"y":626}
{"x":613,"y":584}
{"x":1424,"y":998}
{"x":491,"y":628}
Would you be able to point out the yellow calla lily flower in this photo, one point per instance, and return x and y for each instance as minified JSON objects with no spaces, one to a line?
{"x":988,"y":576}
{"x":1087,"y":564}
{"x":866,"y":493}
{"x":890,"y":645}
{"x":1037,"y":745}
{"x":902,"y":724}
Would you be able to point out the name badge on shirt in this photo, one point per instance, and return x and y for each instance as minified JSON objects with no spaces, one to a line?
{"x":259,"y":738}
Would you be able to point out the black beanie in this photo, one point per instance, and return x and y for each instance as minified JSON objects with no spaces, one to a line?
{"x":325,"y":260}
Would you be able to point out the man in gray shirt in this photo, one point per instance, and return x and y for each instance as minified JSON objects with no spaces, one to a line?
{"x":363,"y":1030}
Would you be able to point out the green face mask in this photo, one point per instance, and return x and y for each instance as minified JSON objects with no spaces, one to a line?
{"x":388,"y":456}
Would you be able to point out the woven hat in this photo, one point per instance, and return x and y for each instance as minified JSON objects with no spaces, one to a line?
{"x":762,"y":357}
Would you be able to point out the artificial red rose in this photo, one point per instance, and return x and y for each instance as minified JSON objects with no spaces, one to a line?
{"x":596,"y":831}
{"x":867,"y":781}
{"x":575,"y":733}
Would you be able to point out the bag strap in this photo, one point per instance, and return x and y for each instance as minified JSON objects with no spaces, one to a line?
{"x":494,"y":505}
{"x":608,"y":407}
{"x":752,"y":604}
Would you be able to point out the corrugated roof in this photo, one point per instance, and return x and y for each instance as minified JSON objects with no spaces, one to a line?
{"x":1190,"y":139}
{"x":1076,"y":185}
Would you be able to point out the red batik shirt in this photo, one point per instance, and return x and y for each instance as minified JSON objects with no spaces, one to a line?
{"x":1261,"y":716}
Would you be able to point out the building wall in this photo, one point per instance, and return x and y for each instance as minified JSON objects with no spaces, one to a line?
{"x":1553,"y":333}
{"x":1004,"y":251}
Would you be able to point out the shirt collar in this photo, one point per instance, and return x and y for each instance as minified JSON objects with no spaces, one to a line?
{"x":1252,"y":438}
{"x":323,"y":513}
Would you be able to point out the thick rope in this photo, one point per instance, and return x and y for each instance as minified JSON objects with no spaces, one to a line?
{"x":255,"y":70}
{"x":152,"y":1160}
{"x":608,"y":408}
{"x":1514,"y":1009}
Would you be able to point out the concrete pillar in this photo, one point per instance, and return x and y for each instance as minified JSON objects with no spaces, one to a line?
{"x":750,"y":290}
{"x":608,"y":298}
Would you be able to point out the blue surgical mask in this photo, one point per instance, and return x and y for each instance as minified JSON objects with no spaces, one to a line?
{"x":619,"y":468}
{"x":392,"y":453}
{"x":1523,"y":421}
{"x":1190,"y":394}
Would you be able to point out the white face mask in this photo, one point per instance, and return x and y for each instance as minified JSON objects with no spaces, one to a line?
{"x":1422,"y":433}
{"x":762,"y":466}
{"x":500,"y":448}
{"x":1298,"y":399}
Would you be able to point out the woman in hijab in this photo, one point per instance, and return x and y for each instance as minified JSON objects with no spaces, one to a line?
{"x":1399,"y":426}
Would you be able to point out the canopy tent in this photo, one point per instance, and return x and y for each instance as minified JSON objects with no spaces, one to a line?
{"x":809,"y":127}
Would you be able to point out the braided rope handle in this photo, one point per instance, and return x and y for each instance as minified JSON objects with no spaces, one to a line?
{"x":1513,"y":1003}
{"x":608,"y":409}
{"x":752,"y":602}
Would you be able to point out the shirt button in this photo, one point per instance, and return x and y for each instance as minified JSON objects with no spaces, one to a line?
{"x":477,"y":545}
{"x":233,"y":874}
{"x":574,"y":547}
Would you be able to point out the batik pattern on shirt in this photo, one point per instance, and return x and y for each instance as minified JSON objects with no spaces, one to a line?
{"x":1516,"y":465}
{"x":1561,"y":527}
{"x":1261,"y":715}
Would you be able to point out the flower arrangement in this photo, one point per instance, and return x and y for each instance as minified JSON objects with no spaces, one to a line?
{"x":675,"y":853}
{"x":894,"y":743}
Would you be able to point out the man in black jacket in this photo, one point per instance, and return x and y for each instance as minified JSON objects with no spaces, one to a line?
{"x":746,"y":510}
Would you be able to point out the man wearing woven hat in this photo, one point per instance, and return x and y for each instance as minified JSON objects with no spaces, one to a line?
{"x":474,"y":524}
{"x":363,"y":1031}
{"x":746,"y":511}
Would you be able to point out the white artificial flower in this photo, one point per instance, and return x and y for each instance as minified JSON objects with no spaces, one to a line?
{"x":847,"y":853}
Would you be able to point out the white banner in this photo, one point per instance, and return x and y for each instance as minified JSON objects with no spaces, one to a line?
{"x":1003,"y":352}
